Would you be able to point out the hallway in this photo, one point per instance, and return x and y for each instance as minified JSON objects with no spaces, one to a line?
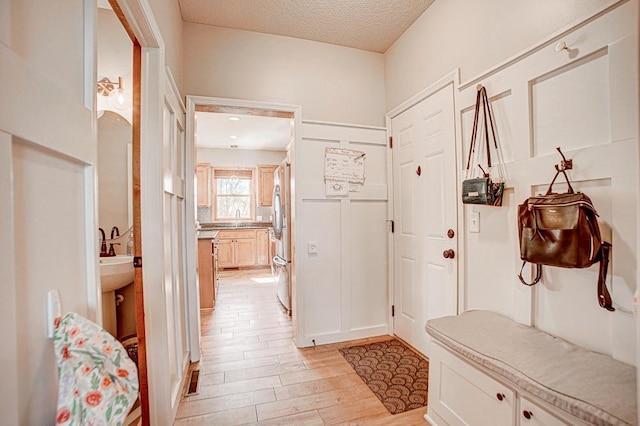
{"x":252,"y":373}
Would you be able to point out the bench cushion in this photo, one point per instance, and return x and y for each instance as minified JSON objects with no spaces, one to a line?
{"x":591,"y":386}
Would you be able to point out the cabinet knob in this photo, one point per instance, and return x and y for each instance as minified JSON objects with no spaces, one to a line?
{"x":527,"y":414}
{"x":500,"y":396}
{"x":449,"y":254}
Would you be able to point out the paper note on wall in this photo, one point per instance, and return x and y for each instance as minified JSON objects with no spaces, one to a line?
{"x":343,"y":170}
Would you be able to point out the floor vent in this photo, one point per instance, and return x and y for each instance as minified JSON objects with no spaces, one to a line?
{"x":193,"y":388}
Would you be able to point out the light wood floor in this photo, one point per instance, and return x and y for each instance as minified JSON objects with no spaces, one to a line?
{"x":251,"y":372}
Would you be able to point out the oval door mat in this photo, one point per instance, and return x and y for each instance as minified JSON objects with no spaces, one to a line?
{"x":396,"y":374}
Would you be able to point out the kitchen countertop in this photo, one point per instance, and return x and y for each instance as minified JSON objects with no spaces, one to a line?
{"x":207,"y":234}
{"x":231,"y":225}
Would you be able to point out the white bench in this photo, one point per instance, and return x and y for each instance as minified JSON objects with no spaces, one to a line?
{"x":487,"y":369}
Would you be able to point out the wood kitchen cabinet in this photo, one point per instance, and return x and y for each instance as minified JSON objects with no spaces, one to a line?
{"x":203,"y":184}
{"x":262,"y":247}
{"x":237,"y":248}
{"x":265,"y":185}
{"x":206,"y":273}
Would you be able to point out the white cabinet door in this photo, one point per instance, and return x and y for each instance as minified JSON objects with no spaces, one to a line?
{"x":462,"y":395}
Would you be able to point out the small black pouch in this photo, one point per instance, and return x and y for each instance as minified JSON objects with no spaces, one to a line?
{"x":482,"y":191}
{"x":476,"y":191}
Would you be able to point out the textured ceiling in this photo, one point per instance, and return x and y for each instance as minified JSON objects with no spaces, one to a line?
{"x":372,"y":25}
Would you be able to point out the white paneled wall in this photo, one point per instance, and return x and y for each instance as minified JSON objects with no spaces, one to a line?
{"x":583,"y":99}
{"x":342,"y":291}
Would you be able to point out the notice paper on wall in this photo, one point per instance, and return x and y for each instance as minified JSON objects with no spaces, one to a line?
{"x":343,"y":170}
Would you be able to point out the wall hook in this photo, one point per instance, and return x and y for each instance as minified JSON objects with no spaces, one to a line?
{"x":564,"y":164}
{"x":419,"y":171}
{"x":561,"y":46}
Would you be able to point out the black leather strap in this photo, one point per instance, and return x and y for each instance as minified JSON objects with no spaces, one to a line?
{"x":474,"y":132}
{"x":537,"y":277}
{"x":485,"y":105}
{"x":604,"y":298}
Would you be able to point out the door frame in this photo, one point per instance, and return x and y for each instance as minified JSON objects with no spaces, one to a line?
{"x":149,"y":86}
{"x":453,"y":77}
{"x":238,"y":106}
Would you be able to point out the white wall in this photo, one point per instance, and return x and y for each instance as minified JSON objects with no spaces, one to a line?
{"x":169,"y":20}
{"x":47,"y":152}
{"x":586,"y":101}
{"x":336,"y":300}
{"x":470,"y":35}
{"x":341,"y":292}
{"x":238,"y":157}
{"x":331,"y":83}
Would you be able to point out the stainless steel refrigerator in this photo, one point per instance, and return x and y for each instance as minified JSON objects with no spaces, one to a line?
{"x":281,"y":233}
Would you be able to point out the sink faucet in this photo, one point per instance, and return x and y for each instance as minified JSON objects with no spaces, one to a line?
{"x":115,"y":231}
{"x":237,"y":216}
{"x":103,"y":246}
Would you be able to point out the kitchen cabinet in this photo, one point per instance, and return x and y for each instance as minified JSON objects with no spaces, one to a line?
{"x":265,"y":185}
{"x":262,"y":247}
{"x":206,"y":273}
{"x":237,"y":248}
{"x":461,"y":393}
{"x":203,"y":184}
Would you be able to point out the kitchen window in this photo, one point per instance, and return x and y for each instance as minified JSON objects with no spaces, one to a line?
{"x":233,"y":194}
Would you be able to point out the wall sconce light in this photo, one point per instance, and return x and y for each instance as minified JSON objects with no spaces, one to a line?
{"x":115,"y":92}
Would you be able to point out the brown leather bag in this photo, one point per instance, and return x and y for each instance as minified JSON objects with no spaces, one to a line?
{"x":562,"y":230}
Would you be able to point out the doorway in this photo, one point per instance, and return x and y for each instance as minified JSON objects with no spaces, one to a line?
{"x":228,"y":156}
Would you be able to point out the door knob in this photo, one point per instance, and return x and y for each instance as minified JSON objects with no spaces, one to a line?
{"x":449,"y":254}
{"x":451,"y":233}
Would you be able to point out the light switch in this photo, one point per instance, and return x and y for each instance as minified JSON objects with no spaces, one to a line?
{"x":474,"y":222}
{"x":313,"y":247}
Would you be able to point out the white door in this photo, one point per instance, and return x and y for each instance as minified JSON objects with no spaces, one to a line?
{"x":174,"y":239}
{"x":424,"y":211}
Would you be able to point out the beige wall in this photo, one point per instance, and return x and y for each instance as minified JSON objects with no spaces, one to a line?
{"x":169,"y":19}
{"x":331,"y":83}
{"x":114,"y":59}
{"x":472,"y":35}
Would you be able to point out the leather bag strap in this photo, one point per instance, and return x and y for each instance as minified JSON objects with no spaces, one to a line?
{"x":474,"y":132}
{"x":558,"y":171}
{"x":604,"y":298}
{"x":485,"y":106}
{"x":537,"y":277}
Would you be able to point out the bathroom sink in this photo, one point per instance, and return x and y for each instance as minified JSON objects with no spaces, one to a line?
{"x":116,"y":272}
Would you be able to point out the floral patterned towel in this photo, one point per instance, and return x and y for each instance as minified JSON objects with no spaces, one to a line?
{"x":98,"y":381}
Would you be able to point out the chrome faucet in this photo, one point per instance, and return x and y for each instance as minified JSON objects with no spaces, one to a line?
{"x":237,"y":216}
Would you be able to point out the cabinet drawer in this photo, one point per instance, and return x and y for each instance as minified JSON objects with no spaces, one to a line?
{"x":531,"y":414}
{"x":462,"y":395}
{"x":236,"y":234}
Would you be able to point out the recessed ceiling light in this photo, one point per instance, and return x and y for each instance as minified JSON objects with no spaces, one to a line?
{"x":234,"y":136}
{"x":234,"y":118}
{"x":234,"y":146}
